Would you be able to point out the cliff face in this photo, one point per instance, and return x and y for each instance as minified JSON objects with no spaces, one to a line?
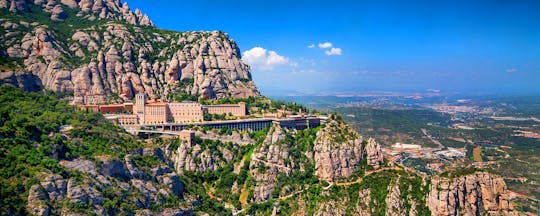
{"x":339,"y":151}
{"x":88,"y":9}
{"x":474,"y":194}
{"x":269,"y":161}
{"x":97,"y":182}
{"x":197,"y":157}
{"x":101,"y":51}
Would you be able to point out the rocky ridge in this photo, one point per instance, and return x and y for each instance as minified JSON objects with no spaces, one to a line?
{"x":115,"y":53}
{"x":198,"y":157}
{"x":268,"y":161}
{"x":474,"y":194}
{"x":88,"y":9}
{"x":147,"y":186}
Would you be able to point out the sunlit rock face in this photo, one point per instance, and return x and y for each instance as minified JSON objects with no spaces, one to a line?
{"x":121,"y":54}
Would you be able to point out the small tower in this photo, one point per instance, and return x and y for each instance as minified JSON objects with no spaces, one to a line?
{"x":140,"y":101}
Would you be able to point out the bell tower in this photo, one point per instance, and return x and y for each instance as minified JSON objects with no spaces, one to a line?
{"x":140,"y":101}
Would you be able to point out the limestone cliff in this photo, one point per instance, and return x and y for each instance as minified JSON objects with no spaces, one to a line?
{"x":199,"y":157}
{"x":474,"y":194}
{"x":339,"y":151}
{"x":101,"y":51}
{"x":268,"y":161}
{"x":146,"y":186}
{"x":88,"y":9}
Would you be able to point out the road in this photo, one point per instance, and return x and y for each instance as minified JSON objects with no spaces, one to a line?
{"x":424,"y":131}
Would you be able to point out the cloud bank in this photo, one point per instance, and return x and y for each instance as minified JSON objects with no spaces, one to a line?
{"x":263,"y":59}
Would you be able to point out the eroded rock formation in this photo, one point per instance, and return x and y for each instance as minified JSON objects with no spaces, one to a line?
{"x":110,"y":61}
{"x":474,"y":194}
{"x":339,"y":151}
{"x":114,"y":176}
{"x":268,"y":161}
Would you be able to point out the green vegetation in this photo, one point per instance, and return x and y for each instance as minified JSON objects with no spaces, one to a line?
{"x":10,"y":64}
{"x":460,"y":172}
{"x":34,"y":137}
{"x":33,"y":140}
{"x":244,"y":80}
{"x":36,"y":131}
{"x":348,"y":197}
{"x":389,"y":126}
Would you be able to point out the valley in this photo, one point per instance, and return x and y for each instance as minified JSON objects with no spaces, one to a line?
{"x":436,"y":134}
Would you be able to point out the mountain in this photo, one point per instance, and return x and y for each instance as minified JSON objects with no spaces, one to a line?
{"x":57,"y":160}
{"x":100,"y":50}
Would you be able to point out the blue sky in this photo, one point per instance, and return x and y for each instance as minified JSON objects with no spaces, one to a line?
{"x":465,"y":46}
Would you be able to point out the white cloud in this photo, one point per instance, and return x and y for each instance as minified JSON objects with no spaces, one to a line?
{"x":333,"y":51}
{"x":311,"y":46}
{"x":325,"y":45}
{"x":511,"y":70}
{"x":262,"y":59}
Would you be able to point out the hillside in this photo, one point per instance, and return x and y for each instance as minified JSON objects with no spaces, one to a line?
{"x":55,"y":159}
{"x":101,"y":51}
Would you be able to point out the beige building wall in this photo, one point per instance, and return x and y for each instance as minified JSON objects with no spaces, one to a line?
{"x":156,"y":113}
{"x":186,"y":112}
{"x":187,"y":135}
{"x":235,"y":109}
{"x":179,"y":112}
{"x":127,"y":119}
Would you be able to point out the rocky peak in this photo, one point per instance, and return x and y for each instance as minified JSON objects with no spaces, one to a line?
{"x":339,"y":151}
{"x":113,"y":61}
{"x":90,"y":9}
{"x":478,"y":193}
{"x":373,"y":152}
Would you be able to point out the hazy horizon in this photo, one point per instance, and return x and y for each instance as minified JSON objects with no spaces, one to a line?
{"x":338,"y":46}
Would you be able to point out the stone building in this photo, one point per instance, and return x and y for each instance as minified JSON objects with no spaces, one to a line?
{"x":186,"y":112}
{"x":107,"y":108}
{"x":160,"y":112}
{"x":234,"y":109}
{"x":187,"y":135}
{"x":156,"y":113}
{"x":138,"y":109}
{"x":127,"y":119}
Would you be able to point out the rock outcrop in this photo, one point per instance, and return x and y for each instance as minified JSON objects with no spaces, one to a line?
{"x":197,"y":157}
{"x":111,"y":176}
{"x":88,"y":9}
{"x":373,"y":152}
{"x":474,"y":194}
{"x":115,"y":60}
{"x":268,"y":161}
{"x":339,"y":151}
